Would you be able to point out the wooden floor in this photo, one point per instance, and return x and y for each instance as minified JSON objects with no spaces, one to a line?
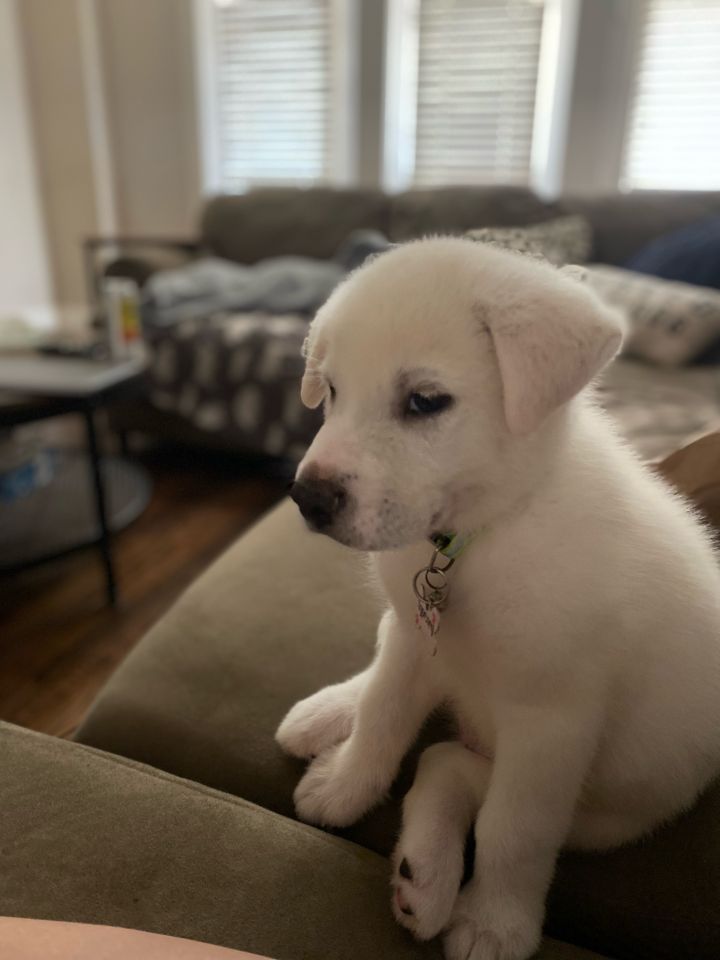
{"x":59,"y":640}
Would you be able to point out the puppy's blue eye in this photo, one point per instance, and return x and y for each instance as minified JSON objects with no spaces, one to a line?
{"x":421,"y":405}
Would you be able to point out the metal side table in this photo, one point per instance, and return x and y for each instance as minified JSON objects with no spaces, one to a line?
{"x":34,"y":388}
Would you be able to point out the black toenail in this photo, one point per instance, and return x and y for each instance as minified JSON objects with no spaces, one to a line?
{"x":405,"y":870}
{"x":407,"y":911}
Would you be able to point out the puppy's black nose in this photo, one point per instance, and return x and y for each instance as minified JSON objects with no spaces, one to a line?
{"x":320,"y":501}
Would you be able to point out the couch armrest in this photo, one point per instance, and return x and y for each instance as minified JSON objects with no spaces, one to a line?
{"x":134,"y":257}
{"x":88,"y":837}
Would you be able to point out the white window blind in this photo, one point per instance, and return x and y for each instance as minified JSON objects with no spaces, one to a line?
{"x":673,"y":139}
{"x":273,"y":91}
{"x":477,"y":77}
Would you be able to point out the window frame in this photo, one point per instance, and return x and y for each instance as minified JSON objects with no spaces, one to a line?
{"x":609,"y":55}
{"x":343,"y":107}
{"x":625,"y":183}
{"x":552,"y":99}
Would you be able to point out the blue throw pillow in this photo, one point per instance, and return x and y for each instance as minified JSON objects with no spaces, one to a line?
{"x":691,"y":255}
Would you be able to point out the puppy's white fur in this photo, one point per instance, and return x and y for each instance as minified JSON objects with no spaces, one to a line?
{"x":581,"y":645}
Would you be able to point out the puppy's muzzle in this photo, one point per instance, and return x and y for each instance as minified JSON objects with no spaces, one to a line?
{"x":320,"y":501}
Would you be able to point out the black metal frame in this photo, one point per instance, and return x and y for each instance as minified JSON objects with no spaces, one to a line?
{"x":30,"y":410}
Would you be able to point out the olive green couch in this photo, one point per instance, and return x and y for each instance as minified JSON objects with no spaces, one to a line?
{"x":172,"y":811}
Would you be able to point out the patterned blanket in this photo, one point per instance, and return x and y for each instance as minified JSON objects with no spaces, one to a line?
{"x":236,"y":377}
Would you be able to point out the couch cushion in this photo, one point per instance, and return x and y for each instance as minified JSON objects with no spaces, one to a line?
{"x":274,"y":221}
{"x":417,"y":213}
{"x":92,"y":838}
{"x":658,"y":410}
{"x":560,"y":241}
{"x":691,"y":255}
{"x":669,"y":323}
{"x":622,"y":224}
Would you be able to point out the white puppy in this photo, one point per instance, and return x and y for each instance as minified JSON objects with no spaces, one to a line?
{"x":580,"y":642}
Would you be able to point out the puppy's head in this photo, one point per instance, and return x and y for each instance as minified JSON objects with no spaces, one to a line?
{"x":435,"y":362}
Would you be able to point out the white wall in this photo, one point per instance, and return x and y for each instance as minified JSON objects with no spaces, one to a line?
{"x":112,"y":107}
{"x":25,"y":288}
{"x":55,"y":74}
{"x":146,"y":49}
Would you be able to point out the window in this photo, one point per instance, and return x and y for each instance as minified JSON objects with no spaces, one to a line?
{"x":477,"y":71}
{"x":274,"y":79}
{"x":673,"y":139}
{"x":559,"y":95}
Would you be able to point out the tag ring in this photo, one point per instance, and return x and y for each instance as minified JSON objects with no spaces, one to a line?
{"x":437,"y":572}
{"x":439,"y":588}
{"x":420,"y":596}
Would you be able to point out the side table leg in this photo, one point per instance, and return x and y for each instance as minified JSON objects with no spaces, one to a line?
{"x":101,"y":506}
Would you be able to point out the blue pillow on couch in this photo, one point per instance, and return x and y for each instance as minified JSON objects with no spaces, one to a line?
{"x":691,"y":255}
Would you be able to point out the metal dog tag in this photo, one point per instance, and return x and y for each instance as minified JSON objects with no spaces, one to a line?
{"x":427,"y":619}
{"x":431,"y":592}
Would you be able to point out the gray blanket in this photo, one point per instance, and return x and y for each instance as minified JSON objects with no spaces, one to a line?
{"x":280,"y":285}
{"x":209,"y":286}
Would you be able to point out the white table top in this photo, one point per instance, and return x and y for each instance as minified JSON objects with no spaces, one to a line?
{"x":63,"y":376}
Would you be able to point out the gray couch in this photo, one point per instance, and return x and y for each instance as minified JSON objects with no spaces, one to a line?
{"x":215,"y":385}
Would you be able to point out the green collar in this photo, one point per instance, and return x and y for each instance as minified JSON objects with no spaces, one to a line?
{"x":451,"y":545}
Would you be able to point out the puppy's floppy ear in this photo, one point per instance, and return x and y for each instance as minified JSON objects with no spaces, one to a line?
{"x":549,"y":344}
{"x":312,"y":387}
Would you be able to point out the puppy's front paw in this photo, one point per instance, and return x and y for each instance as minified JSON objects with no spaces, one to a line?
{"x":491,"y":931}
{"x":317,"y":723}
{"x":336,"y":790}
